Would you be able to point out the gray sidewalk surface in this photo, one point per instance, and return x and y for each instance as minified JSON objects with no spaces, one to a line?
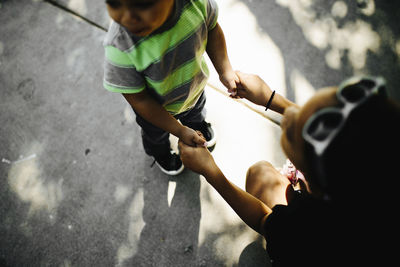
{"x":76,"y":188}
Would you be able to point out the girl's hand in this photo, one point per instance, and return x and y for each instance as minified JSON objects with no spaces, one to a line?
{"x":253,"y":88}
{"x":197,"y":159}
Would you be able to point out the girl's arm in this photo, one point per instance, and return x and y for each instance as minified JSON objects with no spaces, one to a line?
{"x":250,"y":209}
{"x":254,"y":89}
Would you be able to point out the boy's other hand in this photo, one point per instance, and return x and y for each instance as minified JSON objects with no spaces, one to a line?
{"x":191,"y":138}
{"x":230,"y":80}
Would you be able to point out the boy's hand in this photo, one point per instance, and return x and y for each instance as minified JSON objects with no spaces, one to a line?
{"x":230,"y":80}
{"x":191,"y":138}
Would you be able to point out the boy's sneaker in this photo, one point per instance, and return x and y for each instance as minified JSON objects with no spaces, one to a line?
{"x":170,"y":163}
{"x":208,"y":131}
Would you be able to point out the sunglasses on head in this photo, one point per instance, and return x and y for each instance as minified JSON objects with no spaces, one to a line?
{"x":323,"y":126}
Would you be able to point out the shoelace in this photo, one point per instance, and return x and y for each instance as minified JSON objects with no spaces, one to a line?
{"x":152,"y":164}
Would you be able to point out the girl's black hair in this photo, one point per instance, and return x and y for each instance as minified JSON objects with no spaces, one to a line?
{"x":364,"y":151}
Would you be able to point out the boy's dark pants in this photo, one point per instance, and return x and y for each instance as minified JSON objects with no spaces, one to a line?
{"x":156,"y":141}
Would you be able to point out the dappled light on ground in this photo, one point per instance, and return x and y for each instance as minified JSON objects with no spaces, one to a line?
{"x":79,"y":6}
{"x":78,"y":189}
{"x":303,"y":89}
{"x":221,"y":226}
{"x":327,"y":31}
{"x":250,"y":49}
{"x":29,"y":183}
{"x":128,"y":248}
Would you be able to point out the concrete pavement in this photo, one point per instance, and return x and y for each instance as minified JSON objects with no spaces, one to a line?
{"x":76,"y":188}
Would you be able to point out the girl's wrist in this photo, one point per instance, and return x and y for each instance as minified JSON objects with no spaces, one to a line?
{"x":213,"y":174}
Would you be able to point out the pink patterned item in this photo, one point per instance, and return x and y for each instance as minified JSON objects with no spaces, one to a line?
{"x":290,"y":171}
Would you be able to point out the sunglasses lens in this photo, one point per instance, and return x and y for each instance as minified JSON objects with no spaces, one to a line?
{"x":323,"y":125}
{"x":353,"y":93}
{"x":367,"y":84}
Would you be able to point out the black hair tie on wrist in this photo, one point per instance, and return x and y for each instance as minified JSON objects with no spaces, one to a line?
{"x":270,"y":101}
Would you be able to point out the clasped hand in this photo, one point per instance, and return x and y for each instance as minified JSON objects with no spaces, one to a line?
{"x":249,"y":86}
{"x":196,"y":158}
{"x":194,"y":154}
{"x":191,"y":137}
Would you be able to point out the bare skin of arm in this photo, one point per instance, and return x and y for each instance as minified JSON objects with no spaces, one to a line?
{"x":250,"y":209}
{"x":254,"y":89}
{"x":156,"y":114}
{"x":217,"y":51}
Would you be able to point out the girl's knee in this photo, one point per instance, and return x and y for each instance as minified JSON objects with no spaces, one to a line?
{"x":258,"y":172}
{"x":260,"y":167}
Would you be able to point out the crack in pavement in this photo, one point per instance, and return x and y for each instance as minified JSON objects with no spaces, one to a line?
{"x":68,"y":10}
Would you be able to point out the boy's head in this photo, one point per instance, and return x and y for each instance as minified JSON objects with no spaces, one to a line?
{"x":140,"y":17}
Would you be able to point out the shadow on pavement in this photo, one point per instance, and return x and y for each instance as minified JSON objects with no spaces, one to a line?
{"x":170,"y":233}
{"x":86,"y":196}
{"x":328,"y":41}
{"x":254,"y":255}
{"x":76,"y":188}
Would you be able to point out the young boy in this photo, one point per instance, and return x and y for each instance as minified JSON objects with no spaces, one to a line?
{"x":154,"y":57}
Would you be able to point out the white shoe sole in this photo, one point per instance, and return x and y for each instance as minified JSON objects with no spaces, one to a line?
{"x":171,"y":172}
{"x":213,"y":141}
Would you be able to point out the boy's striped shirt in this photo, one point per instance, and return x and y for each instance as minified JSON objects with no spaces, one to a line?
{"x":169,"y":62}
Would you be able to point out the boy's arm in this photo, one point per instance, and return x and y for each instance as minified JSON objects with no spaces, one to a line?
{"x":216,"y":50}
{"x":156,"y":114}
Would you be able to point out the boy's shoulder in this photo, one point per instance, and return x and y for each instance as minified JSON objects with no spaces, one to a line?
{"x":118,"y":37}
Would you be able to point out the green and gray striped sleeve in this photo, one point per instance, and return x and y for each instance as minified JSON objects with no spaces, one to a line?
{"x":212,"y":14}
{"x":120,"y":74}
